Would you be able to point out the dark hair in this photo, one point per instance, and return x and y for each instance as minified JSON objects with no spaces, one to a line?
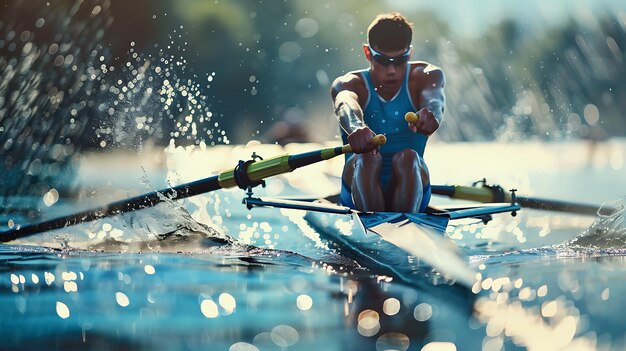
{"x":390,"y":31}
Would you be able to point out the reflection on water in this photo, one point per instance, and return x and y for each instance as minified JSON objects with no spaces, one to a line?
{"x":108,"y":301}
{"x":570,"y":304}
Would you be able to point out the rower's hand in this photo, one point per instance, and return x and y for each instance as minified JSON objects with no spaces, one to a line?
{"x":361,"y":141}
{"x":426,"y":122}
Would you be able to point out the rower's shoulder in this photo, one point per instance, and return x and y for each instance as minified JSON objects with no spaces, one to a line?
{"x":422,"y":71}
{"x":352,"y":81}
{"x":423,"y":67}
{"x":348,"y":80}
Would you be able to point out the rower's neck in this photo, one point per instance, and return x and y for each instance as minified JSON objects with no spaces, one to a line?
{"x":385,"y":92}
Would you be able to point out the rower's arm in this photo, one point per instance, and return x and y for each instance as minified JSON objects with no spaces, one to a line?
{"x":348,"y":111}
{"x":345,"y":93}
{"x":349,"y":94}
{"x":432,"y":95}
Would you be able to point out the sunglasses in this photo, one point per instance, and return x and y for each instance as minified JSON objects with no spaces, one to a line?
{"x":387,"y":60}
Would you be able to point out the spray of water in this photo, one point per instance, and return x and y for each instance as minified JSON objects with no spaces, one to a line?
{"x":62,"y":91}
{"x":608,"y":232}
{"x":49,"y":77}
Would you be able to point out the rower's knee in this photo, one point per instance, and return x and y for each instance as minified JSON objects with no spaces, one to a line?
{"x":368,"y":161}
{"x":367,"y":168}
{"x":406,"y":159}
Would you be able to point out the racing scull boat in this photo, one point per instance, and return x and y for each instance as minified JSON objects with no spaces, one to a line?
{"x":398,"y":244}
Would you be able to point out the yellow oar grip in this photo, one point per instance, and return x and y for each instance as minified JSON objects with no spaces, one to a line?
{"x":378,"y":140}
{"x":411,"y":117}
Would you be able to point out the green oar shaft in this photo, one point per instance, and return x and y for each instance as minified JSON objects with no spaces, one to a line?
{"x":496,"y":194}
{"x":254,"y":172}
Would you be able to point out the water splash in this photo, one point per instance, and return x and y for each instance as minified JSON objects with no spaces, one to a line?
{"x":48,"y":79}
{"x":150,"y":98}
{"x":63,"y":92}
{"x":608,"y":232}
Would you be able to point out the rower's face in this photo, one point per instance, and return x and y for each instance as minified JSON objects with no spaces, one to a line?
{"x":387,"y":76}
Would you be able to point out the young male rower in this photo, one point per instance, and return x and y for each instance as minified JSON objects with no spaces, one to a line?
{"x":392,"y":177}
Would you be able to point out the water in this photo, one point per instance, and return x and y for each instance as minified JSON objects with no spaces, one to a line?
{"x":206,"y":272}
{"x":190,"y":302}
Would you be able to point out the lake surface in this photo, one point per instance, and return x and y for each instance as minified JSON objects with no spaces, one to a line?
{"x":206,"y":273}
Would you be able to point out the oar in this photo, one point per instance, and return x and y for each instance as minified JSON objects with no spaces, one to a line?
{"x":246,"y":174}
{"x":487,"y":193}
{"x":497,"y":194}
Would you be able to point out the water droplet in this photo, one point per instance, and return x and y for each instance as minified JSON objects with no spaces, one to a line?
{"x":228,"y":302}
{"x":391,"y":306}
{"x":285,"y":335}
{"x":62,"y":310}
{"x":304,"y":302}
{"x":209,"y":308}
{"x":243,"y":346}
{"x":422,"y":312}
{"x":439,"y":346}
{"x":51,"y":197}
{"x":122,"y":299}
{"x":393,"y":341}
{"x":368,"y":323}
{"x":149,"y":269}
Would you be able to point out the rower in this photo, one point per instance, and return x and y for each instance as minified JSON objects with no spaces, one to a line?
{"x":392,"y":177}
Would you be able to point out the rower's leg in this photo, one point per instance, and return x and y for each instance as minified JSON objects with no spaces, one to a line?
{"x":408,"y":179}
{"x":362,"y":173}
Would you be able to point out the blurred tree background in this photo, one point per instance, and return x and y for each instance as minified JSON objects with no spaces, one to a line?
{"x":106,"y":74}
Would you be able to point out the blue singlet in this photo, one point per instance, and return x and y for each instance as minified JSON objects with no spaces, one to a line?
{"x":387,"y":117}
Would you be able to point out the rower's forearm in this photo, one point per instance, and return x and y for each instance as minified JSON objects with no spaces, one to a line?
{"x":350,"y":116}
{"x":436,"y":106}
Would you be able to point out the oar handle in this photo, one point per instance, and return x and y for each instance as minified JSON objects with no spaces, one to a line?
{"x":411,"y":117}
{"x":379,"y":140}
